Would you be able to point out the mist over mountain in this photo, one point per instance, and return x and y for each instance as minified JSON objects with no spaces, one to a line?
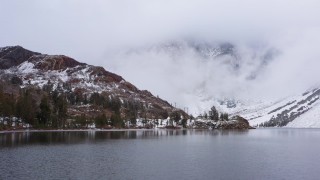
{"x":194,"y":73}
{"x":187,"y":52}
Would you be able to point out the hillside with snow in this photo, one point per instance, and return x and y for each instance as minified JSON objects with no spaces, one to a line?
{"x":80,"y":83}
{"x":300,"y":111}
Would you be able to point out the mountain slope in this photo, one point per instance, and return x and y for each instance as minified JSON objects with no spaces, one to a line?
{"x":81,"y":83}
{"x":295,"y":111}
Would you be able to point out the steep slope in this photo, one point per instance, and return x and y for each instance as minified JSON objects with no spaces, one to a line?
{"x":77,"y":80}
{"x":308,"y":120}
{"x":296,"y":111}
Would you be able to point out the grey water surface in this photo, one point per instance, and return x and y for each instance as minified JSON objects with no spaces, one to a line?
{"x":161,"y":154}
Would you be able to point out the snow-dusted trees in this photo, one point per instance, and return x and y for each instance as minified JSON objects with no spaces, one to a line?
{"x":224,"y":117}
{"x":213,"y":113}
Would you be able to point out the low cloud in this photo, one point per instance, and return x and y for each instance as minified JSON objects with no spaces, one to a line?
{"x":124,"y":36}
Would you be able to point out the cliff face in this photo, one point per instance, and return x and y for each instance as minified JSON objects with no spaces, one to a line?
{"x":48,"y":73}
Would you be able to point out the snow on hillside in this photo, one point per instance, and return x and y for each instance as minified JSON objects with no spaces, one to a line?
{"x":308,"y":120}
{"x":34,"y":76}
{"x":293,"y":111}
{"x":299,"y":111}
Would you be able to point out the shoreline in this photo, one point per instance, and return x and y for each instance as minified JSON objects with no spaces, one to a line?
{"x":71,"y":130}
{"x":119,"y":130}
{"x":100,"y":130}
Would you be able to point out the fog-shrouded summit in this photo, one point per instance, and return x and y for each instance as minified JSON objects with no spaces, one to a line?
{"x":199,"y":71}
{"x":234,"y":78}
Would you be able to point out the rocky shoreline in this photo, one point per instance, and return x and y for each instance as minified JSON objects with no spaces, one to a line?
{"x":236,"y":122}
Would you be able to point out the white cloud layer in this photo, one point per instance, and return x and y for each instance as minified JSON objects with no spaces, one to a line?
{"x":101,"y":32}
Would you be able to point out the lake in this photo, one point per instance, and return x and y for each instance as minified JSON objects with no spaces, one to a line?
{"x":161,"y":154}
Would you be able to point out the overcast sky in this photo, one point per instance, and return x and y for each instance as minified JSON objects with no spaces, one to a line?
{"x":99,"y":32}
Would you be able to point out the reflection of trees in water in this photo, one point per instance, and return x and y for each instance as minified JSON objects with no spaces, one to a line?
{"x":76,"y":137}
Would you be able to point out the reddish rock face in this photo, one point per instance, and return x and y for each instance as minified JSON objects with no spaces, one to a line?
{"x":103,"y":75}
{"x":47,"y":62}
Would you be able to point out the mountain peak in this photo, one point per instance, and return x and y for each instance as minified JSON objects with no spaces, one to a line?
{"x":14,"y":55}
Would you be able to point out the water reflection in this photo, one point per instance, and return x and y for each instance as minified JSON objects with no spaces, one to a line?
{"x":74,"y":137}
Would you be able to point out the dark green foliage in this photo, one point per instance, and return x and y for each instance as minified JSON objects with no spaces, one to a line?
{"x":175,"y":116}
{"x":224,"y":117}
{"x":81,"y":121}
{"x":1,"y":101}
{"x":133,"y":119}
{"x":205,"y":115}
{"x":184,"y":123}
{"x":164,"y":115}
{"x":26,"y":107}
{"x":115,"y":105}
{"x":116,"y":121}
{"x":98,"y":100}
{"x":7,"y":105}
{"x":213,"y":114}
{"x":45,"y":111}
{"x":100,"y":121}
{"x":62,"y":110}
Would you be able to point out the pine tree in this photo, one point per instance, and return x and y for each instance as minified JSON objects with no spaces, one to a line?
{"x":62,"y":110}
{"x":205,"y":115}
{"x":45,"y":111}
{"x":226,"y":116}
{"x":26,"y":107}
{"x":175,"y":116}
{"x":100,"y":121}
{"x":213,"y":113}
{"x":116,"y":120}
{"x":1,"y":101}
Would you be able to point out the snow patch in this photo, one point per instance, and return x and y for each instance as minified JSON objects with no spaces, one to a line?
{"x":26,"y":67}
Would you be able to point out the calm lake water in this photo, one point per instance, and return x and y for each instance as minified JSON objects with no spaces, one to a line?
{"x":162,"y":154}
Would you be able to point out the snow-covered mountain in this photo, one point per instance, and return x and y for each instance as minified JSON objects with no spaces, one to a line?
{"x":241,"y":70}
{"x":295,"y":111}
{"x":198,"y":71}
{"x":27,"y":69}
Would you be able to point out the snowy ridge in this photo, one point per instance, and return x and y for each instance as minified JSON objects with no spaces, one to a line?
{"x":308,"y":120}
{"x":291,"y":111}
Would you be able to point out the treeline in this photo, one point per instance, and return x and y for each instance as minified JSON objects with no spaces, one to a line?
{"x":215,"y":115}
{"x":51,"y":111}
{"x":60,"y":105}
{"x":43,"y":108}
{"x":48,"y":108}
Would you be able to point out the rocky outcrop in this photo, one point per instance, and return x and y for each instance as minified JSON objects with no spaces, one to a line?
{"x":236,"y":122}
{"x":53,"y":62}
